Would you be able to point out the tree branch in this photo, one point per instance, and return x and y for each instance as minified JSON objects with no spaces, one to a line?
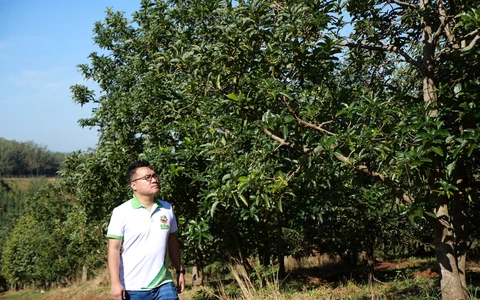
{"x":380,"y":177}
{"x":458,"y":44}
{"x":443,"y":25}
{"x":283,"y":142}
{"x":305,"y":123}
{"x":362,"y":168}
{"x":404,"y":4}
{"x":472,"y":43}
{"x":292,"y":174}
{"x":475,"y":32}
{"x":385,"y":48}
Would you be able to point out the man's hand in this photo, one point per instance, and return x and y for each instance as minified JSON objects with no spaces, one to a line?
{"x":180,"y":283}
{"x":118,"y":292}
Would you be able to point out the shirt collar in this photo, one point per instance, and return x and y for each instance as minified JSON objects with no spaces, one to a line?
{"x":136,"y":204}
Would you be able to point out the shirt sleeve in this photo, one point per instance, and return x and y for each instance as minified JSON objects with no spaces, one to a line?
{"x":115,"y":227}
{"x":173,"y":222}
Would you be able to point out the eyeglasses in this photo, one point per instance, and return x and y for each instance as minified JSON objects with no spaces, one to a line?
{"x":148,"y":177}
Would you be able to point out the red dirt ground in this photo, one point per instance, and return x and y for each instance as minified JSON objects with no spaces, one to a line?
{"x":389,"y":265}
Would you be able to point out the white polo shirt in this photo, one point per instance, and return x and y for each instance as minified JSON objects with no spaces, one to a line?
{"x":144,"y":234}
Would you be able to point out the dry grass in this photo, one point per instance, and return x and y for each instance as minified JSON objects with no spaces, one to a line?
{"x":312,"y":261}
{"x":306,"y":280}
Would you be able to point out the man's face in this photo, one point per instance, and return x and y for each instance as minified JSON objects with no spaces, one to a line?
{"x":145,"y":182}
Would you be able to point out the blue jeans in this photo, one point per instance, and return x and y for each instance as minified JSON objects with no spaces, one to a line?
{"x":166,"y":291}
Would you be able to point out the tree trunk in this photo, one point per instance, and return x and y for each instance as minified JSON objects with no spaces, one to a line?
{"x":84,"y":273}
{"x":197,"y":276}
{"x":242,"y":256}
{"x":281,"y":246}
{"x":450,"y":258}
{"x":371,"y":263}
{"x":197,"y":271}
{"x":450,"y":274}
{"x":460,"y":220}
{"x":265,"y":250}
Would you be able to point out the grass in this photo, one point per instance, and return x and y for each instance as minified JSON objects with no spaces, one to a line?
{"x":311,"y":278}
{"x":26,"y":183}
{"x":95,"y":289}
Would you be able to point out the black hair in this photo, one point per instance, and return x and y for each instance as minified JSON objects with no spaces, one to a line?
{"x":132,"y":168}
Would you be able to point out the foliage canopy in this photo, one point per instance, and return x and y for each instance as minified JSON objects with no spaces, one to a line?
{"x":275,"y":134}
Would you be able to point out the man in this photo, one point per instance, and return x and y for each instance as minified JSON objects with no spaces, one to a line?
{"x":142,"y":231}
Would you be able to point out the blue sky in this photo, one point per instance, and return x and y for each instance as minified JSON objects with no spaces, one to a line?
{"x":41,"y":43}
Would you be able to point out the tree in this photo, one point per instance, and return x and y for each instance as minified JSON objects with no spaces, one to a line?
{"x":433,"y":146}
{"x":170,"y":107}
{"x":13,"y":204}
{"x":243,"y":100}
{"x":5,"y":157}
{"x":37,"y":249}
{"x":32,"y":255}
{"x":27,"y":159}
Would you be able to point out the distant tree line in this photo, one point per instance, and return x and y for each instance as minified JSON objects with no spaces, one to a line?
{"x":28,"y":159}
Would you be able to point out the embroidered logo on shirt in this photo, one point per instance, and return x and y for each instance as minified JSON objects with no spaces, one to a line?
{"x":164,"y":221}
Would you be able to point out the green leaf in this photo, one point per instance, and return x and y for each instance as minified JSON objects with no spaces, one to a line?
{"x":330,"y":142}
{"x":438,"y":150}
{"x":288,"y":118}
{"x":411,"y":218}
{"x":244,"y":200}
{"x":430,"y":214}
{"x":219,"y":86}
{"x":214,"y":207}
{"x":287,"y":95}
{"x":232,"y":96}
{"x":450,"y":168}
{"x":470,"y":150}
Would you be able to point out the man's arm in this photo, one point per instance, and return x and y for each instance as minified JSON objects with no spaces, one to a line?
{"x":174,"y":253}
{"x":117,"y":291}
